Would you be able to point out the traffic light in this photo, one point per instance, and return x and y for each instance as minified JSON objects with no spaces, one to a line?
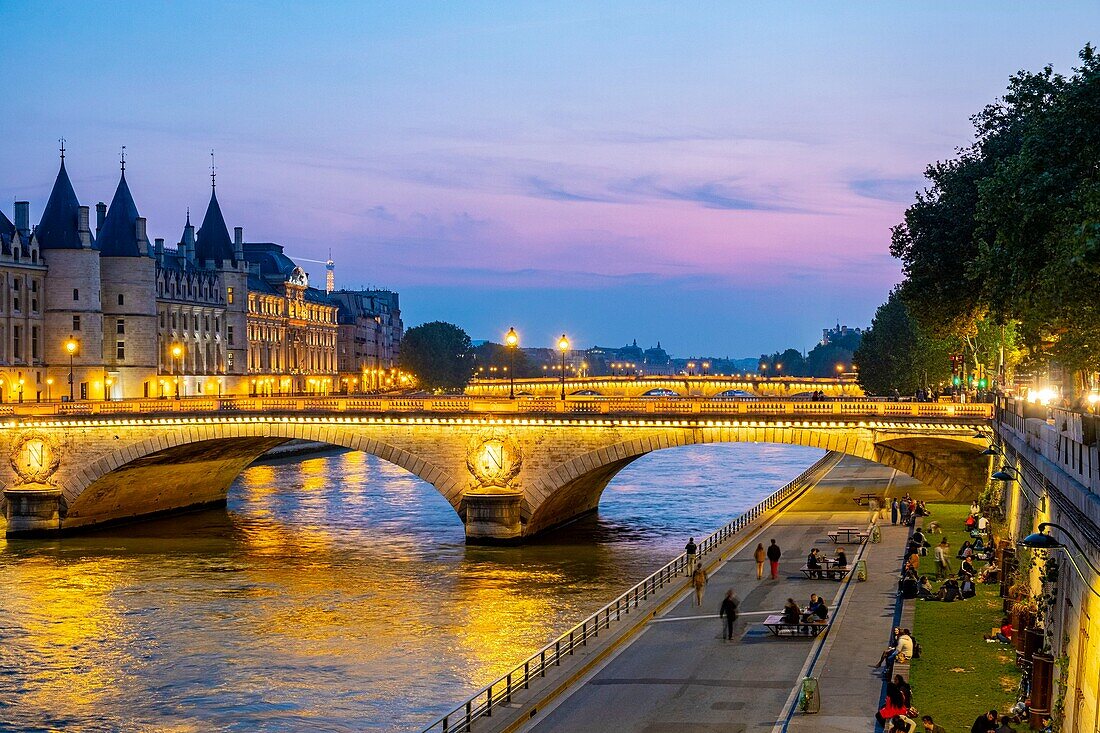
{"x":981,"y":383}
{"x":956,"y":381}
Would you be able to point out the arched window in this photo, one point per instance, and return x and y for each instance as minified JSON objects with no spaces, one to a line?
{"x":120,"y":299}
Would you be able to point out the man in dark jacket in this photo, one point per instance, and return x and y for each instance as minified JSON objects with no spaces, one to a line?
{"x":930,"y":726}
{"x":728,"y":611}
{"x":773,"y":556}
{"x":985,"y":723}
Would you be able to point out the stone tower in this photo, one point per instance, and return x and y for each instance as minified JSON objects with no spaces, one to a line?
{"x":128,"y":273}
{"x":214,"y":250}
{"x":72,"y":292}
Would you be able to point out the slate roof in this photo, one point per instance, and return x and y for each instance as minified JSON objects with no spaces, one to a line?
{"x":58,"y":228}
{"x":213,"y":242}
{"x":118,"y":237}
{"x":7,"y":233}
{"x":269,"y":256}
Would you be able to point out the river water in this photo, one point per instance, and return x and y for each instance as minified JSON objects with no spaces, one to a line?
{"x":336,"y":593}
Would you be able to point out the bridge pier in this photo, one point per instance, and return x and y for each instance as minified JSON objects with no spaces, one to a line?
{"x":33,"y":511}
{"x":493,"y":518}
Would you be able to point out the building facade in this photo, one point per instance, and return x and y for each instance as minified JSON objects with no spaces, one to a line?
{"x":107,"y":314}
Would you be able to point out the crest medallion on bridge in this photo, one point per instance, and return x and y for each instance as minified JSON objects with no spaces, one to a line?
{"x":35,"y":458}
{"x":494,"y":460}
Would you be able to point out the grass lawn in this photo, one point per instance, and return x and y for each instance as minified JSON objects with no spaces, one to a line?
{"x":960,"y":675}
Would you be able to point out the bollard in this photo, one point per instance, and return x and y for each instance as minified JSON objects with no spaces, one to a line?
{"x":861,"y":570}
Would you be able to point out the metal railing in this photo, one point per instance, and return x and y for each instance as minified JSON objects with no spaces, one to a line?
{"x":500,"y":691}
{"x":696,"y":409}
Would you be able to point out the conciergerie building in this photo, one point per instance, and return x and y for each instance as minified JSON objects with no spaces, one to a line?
{"x":212,"y":315}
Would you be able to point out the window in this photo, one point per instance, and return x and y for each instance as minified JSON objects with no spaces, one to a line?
{"x":229,"y":334}
{"x":206,"y":323}
{"x":120,"y":326}
{"x":229,"y":359}
{"x":34,"y":305}
{"x":17,"y":342}
{"x":173,"y":320}
{"x":17,"y":284}
{"x":76,"y":323}
{"x":229,"y":295}
{"x":162,"y":319}
{"x":120,"y":299}
{"x":76,"y":294}
{"x":15,"y":303}
{"x":120,"y":350}
{"x":34,"y":342}
{"x":34,"y":286}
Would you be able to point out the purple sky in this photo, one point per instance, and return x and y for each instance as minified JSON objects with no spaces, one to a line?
{"x":721,"y":177}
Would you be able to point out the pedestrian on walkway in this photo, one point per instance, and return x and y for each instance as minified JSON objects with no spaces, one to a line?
{"x":759,"y":555}
{"x":728,"y":611}
{"x":942,"y":566}
{"x":699,"y":580}
{"x":689,"y":550}
{"x":773,"y":556}
{"x":873,"y":506}
{"x":903,"y":510}
{"x":894,"y":511}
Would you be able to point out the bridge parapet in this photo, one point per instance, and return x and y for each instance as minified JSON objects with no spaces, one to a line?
{"x":837,"y":409}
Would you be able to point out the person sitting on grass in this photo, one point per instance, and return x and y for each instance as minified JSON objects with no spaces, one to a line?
{"x":966,"y":545}
{"x":926,"y":591}
{"x":905,"y":689}
{"x":985,"y":723}
{"x":967,"y":568}
{"x":902,"y":724}
{"x":931,"y":726}
{"x":948,"y":592}
{"x":791,"y":612}
{"x":910,"y":586}
{"x":1004,"y":634}
{"x":1006,"y":725}
{"x":966,"y":586}
{"x":971,"y":522}
{"x":989,"y":574}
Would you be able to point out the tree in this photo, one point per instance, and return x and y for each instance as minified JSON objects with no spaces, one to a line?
{"x":490,"y":354}
{"x":438,"y":354}
{"x":790,"y":363}
{"x":895,"y":354}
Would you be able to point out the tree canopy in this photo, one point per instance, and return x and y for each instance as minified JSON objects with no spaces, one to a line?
{"x":1008,"y":233}
{"x":895,"y":355}
{"x":438,"y":354}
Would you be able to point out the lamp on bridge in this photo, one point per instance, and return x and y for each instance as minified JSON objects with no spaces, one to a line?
{"x":511,"y":340}
{"x":177,"y":354}
{"x":71,"y":346}
{"x":563,"y":344}
{"x":706,"y":366}
{"x":1042,"y":541}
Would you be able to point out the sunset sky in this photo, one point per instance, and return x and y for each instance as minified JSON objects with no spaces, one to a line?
{"x":721,"y":177}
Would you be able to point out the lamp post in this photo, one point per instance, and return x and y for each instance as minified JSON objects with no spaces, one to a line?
{"x":563,"y":344}
{"x":1042,"y":541}
{"x":21,"y":382}
{"x":706,"y":367}
{"x":177,"y":352}
{"x":71,"y":346}
{"x":49,"y":390}
{"x":511,"y":340}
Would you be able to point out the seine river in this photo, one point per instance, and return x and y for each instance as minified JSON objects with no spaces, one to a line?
{"x":336,"y":593}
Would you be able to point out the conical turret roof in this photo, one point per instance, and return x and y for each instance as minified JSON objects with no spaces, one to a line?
{"x":118,"y":237}
{"x":213,"y":242}
{"x":59,"y":228}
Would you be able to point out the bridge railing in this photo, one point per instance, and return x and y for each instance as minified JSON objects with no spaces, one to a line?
{"x":501,"y":690}
{"x":527,"y":406}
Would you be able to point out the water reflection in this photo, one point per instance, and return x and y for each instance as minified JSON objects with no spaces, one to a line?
{"x":335,"y":593}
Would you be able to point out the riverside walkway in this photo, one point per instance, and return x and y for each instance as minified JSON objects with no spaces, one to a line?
{"x":677,"y":674}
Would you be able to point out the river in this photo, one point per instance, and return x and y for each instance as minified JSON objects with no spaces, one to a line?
{"x":335,"y":593}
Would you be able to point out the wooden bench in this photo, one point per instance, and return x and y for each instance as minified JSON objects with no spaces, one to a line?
{"x":865,"y":499}
{"x":778,"y":627}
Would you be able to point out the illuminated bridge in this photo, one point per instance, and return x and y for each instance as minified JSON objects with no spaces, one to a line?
{"x":738,"y":386}
{"x":510,"y":468}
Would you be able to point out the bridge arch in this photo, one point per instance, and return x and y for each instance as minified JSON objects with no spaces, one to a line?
{"x":185,"y":467}
{"x":574,"y":488}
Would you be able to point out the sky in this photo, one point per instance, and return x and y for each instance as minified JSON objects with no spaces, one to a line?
{"x":721,"y":177}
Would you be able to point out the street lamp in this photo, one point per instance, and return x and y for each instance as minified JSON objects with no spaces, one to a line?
{"x":21,"y":382}
{"x":706,"y":366}
{"x":563,"y":344}
{"x":177,"y":352}
{"x":839,"y":368}
{"x":71,"y":346}
{"x":1004,"y":475}
{"x":511,"y":339}
{"x":1042,"y":541}
{"x":49,"y":385}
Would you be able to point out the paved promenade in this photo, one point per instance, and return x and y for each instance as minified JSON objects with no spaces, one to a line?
{"x":678,"y":674}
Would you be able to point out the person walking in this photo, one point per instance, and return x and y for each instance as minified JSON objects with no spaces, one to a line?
{"x":773,"y":557}
{"x":728,"y":611}
{"x":699,"y":580}
{"x":942,"y":566}
{"x":873,"y":510}
{"x":689,"y":550}
{"x":903,"y":510}
{"x":894,"y":511}
{"x":760,"y":556}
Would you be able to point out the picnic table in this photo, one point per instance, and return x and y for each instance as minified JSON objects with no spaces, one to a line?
{"x":779,"y":627}
{"x":828,"y":569}
{"x":851,"y":535}
{"x":865,"y":499}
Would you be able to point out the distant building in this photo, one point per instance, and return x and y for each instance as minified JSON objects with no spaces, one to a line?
{"x":829,"y":335}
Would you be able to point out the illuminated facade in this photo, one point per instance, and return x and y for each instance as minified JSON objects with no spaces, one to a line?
{"x":125,"y":318}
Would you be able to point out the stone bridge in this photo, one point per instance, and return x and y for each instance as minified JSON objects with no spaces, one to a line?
{"x":669,"y":386}
{"x":510,"y":468}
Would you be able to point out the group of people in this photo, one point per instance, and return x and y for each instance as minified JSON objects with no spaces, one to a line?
{"x":815,"y":558}
{"x":906,"y":509}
